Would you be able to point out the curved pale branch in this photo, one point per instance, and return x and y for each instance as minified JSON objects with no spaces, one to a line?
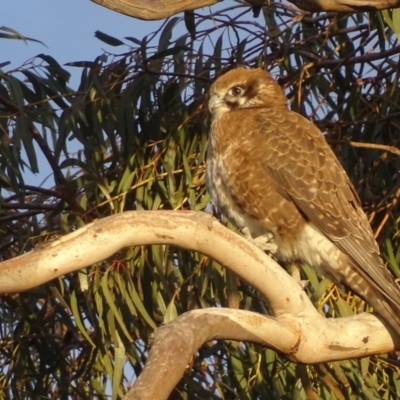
{"x":345,"y":5}
{"x":160,"y":9}
{"x":154,"y":9}
{"x":188,"y":229}
{"x":309,"y":338}
{"x":297,"y":329}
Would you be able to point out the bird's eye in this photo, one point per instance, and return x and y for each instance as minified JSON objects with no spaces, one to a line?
{"x":236,"y":91}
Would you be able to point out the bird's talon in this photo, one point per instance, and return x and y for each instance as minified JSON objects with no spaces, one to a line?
{"x":264,"y":242}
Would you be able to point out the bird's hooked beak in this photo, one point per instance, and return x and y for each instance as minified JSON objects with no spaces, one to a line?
{"x":215,"y":103}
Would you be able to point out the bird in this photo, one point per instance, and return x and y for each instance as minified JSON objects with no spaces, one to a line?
{"x":271,"y":172}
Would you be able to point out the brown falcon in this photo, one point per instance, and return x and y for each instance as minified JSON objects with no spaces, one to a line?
{"x":271,"y":171}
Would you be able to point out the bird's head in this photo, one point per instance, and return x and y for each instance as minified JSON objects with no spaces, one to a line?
{"x":244,"y":88}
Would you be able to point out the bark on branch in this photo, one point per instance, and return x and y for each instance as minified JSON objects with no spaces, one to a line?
{"x":160,"y":9}
{"x":150,"y":10}
{"x":307,"y":338}
{"x":187,"y":229}
{"x":345,"y":5}
{"x":296,"y":329}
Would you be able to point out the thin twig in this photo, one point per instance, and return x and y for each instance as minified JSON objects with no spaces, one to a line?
{"x":384,"y":147}
{"x":386,"y":216}
{"x":29,"y":206}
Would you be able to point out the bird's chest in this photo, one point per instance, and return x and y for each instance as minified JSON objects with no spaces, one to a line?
{"x":228,"y":182}
{"x":218,"y":184}
{"x":240,"y":186}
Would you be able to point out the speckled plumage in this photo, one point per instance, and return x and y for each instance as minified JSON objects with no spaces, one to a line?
{"x":271,"y":170}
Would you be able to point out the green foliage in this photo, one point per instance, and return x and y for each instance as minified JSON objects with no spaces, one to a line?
{"x":133,"y":136}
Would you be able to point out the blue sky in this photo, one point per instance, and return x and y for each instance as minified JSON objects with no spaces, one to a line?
{"x":66,"y":27}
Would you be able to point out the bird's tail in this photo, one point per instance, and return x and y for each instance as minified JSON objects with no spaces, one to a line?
{"x":378,"y":288}
{"x":387,"y":309}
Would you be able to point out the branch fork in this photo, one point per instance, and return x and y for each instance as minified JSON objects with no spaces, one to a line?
{"x":297,"y":329}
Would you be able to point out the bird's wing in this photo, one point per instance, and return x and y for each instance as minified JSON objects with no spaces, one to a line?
{"x":306,"y":170}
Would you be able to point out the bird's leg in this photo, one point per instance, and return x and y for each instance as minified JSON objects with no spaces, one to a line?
{"x":264,"y":242}
{"x":295,"y":273}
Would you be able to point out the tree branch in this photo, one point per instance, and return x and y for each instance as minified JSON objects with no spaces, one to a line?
{"x":160,"y":9}
{"x":154,"y":9}
{"x":197,"y":231}
{"x":345,"y":5}
{"x":296,"y":329}
{"x":307,"y":338}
